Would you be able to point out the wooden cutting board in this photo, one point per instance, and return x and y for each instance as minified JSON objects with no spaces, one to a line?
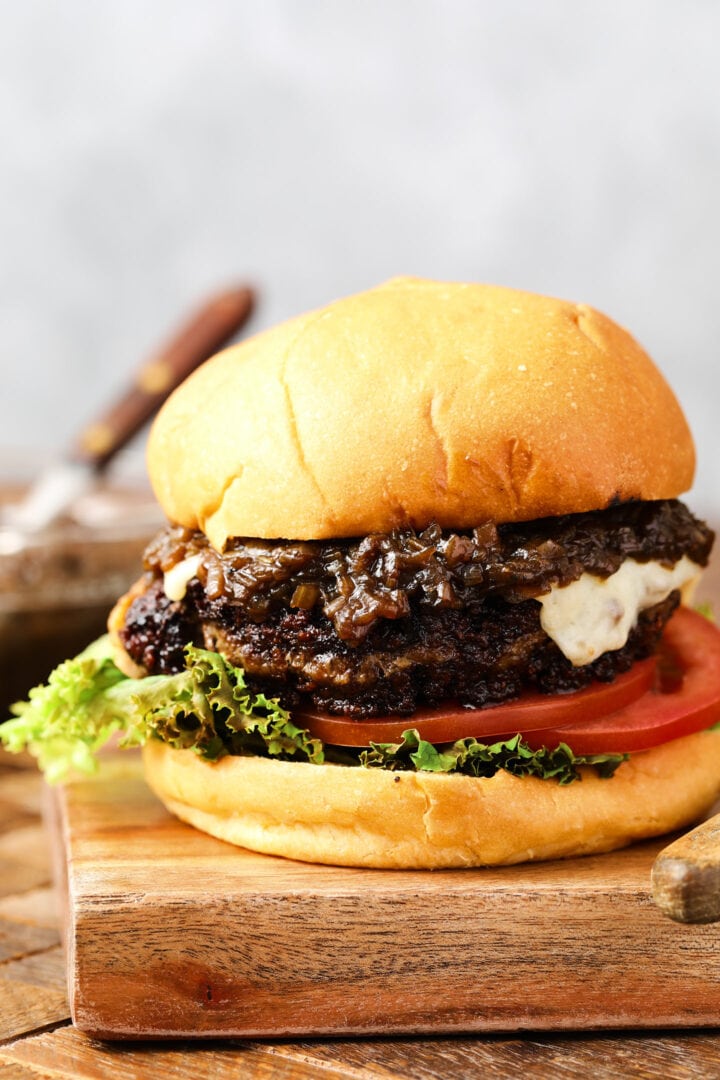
{"x":172,"y":933}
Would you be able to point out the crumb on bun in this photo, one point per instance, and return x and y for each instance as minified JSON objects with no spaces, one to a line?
{"x":418,"y":401}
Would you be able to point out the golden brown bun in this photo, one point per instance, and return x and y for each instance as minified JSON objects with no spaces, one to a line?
{"x":418,"y":401}
{"x":364,"y":817}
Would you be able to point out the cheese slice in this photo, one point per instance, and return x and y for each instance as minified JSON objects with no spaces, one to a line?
{"x":595,"y":615}
{"x":175,"y":581}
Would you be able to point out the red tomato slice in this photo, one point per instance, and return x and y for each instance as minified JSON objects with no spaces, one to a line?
{"x":638,"y":710}
{"x":685,"y":701}
{"x":532,"y":710}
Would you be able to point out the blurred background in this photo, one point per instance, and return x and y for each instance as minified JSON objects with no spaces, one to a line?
{"x":155,"y":150}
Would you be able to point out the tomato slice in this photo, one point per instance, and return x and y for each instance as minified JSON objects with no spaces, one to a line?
{"x":685,"y":701}
{"x":647,"y":706}
{"x":532,"y":710}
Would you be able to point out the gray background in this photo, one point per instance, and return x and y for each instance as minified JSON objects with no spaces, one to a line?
{"x":151,"y":151}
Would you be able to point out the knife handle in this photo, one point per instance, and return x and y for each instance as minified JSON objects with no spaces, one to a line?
{"x":686,"y":875}
{"x":206,"y":332}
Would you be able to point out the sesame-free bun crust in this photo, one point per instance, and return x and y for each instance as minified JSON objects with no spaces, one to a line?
{"x":349,"y":816}
{"x":418,"y":401}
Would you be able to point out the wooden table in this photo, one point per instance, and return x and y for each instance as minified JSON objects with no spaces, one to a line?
{"x":37,"y":1038}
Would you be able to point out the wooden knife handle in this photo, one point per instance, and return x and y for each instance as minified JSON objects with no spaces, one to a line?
{"x":686,"y":875}
{"x":206,"y":332}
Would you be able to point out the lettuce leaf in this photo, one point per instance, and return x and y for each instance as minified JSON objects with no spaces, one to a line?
{"x":66,"y":722}
{"x":474,"y":758}
{"x":207,"y":708}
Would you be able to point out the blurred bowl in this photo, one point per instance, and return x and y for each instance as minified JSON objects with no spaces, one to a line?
{"x":57,"y":587}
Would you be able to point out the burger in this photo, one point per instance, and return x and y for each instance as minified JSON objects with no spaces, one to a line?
{"x":420,"y":599}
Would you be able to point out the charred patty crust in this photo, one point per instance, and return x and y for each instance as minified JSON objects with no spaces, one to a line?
{"x":392,"y":622}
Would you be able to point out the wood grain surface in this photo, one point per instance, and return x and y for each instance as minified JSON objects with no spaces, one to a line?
{"x":686,"y":875}
{"x":37,"y":1039}
{"x":172,"y":933}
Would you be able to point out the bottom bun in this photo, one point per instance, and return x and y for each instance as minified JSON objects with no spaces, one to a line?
{"x":348,"y":816}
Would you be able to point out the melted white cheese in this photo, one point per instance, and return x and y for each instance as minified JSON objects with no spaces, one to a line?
{"x":595,"y":615}
{"x":176,"y":579}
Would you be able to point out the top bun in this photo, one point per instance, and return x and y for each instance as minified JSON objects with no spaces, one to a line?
{"x":418,"y":401}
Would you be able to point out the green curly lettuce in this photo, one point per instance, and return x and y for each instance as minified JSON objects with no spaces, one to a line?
{"x":473,"y":758}
{"x":207,"y":708}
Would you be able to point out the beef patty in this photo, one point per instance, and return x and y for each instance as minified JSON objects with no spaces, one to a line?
{"x":388,"y":623}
